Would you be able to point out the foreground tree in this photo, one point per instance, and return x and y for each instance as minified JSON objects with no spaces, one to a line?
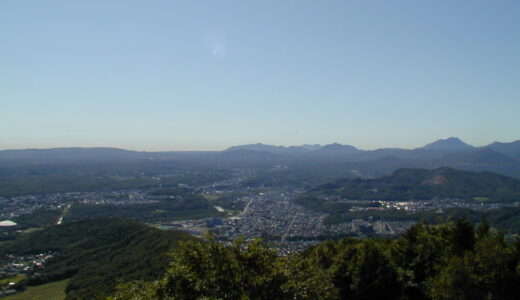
{"x":443,"y":262}
{"x":209,"y":270}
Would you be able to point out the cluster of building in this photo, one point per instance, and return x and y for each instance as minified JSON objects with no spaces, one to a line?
{"x":273,"y":215}
{"x":270,"y":213}
{"x":26,"y":204}
{"x":11,"y":265}
{"x":114,"y":197}
{"x":14,"y":269}
{"x":370,"y":226}
{"x":438,"y":204}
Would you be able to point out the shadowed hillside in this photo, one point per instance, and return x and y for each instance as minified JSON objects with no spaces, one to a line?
{"x":97,"y":253}
{"x":406,"y":184}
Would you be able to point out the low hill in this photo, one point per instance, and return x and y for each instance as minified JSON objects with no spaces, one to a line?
{"x":405,"y":184}
{"x":97,"y":253}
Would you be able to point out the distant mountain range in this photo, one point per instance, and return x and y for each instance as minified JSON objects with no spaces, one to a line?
{"x":334,"y":158}
{"x":511,"y":149}
{"x":449,"y":144}
{"x":503,"y":158}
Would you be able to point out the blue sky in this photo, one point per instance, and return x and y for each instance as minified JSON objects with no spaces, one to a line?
{"x":205,"y":75}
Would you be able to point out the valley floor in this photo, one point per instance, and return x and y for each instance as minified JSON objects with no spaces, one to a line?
{"x":49,"y":291}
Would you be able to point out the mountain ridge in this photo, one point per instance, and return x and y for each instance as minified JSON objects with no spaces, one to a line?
{"x":452,"y":142}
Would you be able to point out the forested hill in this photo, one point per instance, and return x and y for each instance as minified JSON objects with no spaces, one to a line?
{"x":405,"y":184}
{"x":97,"y":253}
{"x":449,"y":261}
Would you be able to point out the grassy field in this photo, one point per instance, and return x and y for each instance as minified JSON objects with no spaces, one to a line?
{"x":31,"y":229}
{"x":13,"y":279}
{"x":49,"y":291}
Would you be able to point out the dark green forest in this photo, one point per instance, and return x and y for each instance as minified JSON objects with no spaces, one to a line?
{"x":123,"y":259}
{"x":97,"y":254}
{"x":453,"y":260}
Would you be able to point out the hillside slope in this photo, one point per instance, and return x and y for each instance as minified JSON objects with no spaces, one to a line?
{"x":405,"y":184}
{"x":97,"y":253}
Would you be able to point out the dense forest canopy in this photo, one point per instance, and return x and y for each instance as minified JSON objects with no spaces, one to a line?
{"x":449,"y":261}
{"x":97,"y":253}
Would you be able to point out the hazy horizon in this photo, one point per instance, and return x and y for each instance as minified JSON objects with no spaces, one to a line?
{"x":220,"y":149}
{"x":208,"y":75}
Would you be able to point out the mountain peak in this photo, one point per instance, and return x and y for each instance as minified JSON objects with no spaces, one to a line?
{"x":452,"y":143}
{"x":335,"y":147}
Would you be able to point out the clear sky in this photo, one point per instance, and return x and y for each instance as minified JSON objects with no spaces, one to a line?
{"x":205,"y":75}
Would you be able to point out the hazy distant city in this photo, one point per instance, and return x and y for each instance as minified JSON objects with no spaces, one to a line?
{"x":259,"y":208}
